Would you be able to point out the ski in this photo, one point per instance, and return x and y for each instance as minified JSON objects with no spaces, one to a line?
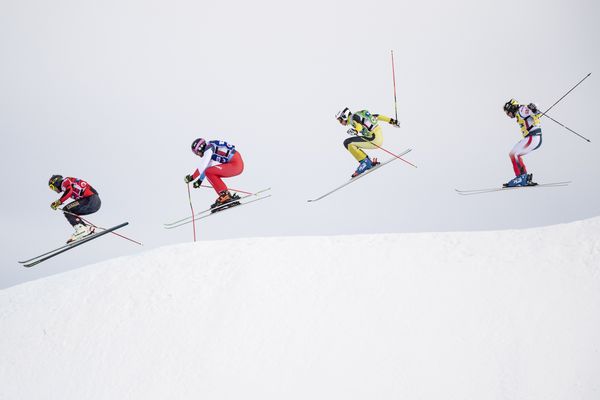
{"x":46,"y":253}
{"x":501,"y":189}
{"x":43,"y":257}
{"x":217,"y":210}
{"x":375,"y":168}
{"x":168,"y":224}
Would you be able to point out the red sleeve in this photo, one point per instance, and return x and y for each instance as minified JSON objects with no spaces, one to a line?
{"x":66,"y":186}
{"x":196,"y":174}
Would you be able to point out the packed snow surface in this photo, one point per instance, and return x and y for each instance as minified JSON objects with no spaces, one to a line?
{"x":474,"y":315}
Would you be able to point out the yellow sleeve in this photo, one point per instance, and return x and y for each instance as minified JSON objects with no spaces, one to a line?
{"x":383,"y":118}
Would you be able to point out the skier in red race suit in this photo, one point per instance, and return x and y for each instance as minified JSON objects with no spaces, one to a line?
{"x":86,"y":201}
{"x":219,"y":160}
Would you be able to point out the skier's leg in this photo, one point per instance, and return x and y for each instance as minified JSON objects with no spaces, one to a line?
{"x":72,"y":208}
{"x":515,"y":163}
{"x":525,"y":146}
{"x":522,"y":165}
{"x":355,"y":144}
{"x":234,"y":167}
{"x":85,"y":206}
{"x":515,"y":154}
{"x":352,"y":145}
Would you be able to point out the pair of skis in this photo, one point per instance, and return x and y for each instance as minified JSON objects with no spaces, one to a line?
{"x":243,"y":200}
{"x":69,"y":246}
{"x":471,"y":192}
{"x":375,"y":168}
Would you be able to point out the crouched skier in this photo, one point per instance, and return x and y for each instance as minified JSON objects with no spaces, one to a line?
{"x":366,"y":134}
{"x":86,"y":201}
{"x":219,"y":160}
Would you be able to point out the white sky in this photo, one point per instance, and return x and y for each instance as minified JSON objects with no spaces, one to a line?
{"x":114,"y":92}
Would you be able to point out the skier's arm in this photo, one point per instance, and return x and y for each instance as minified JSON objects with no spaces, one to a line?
{"x":68,"y":191}
{"x":206,"y":158}
{"x":381,"y":117}
{"x":534,"y":109}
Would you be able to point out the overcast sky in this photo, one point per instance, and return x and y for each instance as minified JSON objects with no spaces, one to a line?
{"x":114,"y":92}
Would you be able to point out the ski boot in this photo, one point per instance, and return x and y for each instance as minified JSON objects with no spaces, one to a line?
{"x":520,"y":180}
{"x":81,"y":231}
{"x":225,"y":200}
{"x":530,"y":181}
{"x":364,"y":165}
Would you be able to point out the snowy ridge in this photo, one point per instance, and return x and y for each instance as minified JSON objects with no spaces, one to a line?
{"x":474,"y":315}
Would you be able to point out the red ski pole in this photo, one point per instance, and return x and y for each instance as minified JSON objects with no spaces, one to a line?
{"x":235,"y":190}
{"x":387,"y":151}
{"x":99,"y":227}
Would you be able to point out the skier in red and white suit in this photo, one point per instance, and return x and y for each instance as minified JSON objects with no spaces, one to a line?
{"x":219,"y":160}
{"x":528,"y":118}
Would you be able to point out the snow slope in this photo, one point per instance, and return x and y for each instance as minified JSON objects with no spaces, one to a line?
{"x":480,"y":315}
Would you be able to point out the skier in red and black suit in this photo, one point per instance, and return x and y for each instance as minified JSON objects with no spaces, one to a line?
{"x":86,"y":201}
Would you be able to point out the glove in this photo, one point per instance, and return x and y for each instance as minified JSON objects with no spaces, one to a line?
{"x":198,"y":183}
{"x":55,"y":204}
{"x":352,"y":132}
{"x":394,"y":122}
{"x":188,"y":178}
{"x":533,"y":108}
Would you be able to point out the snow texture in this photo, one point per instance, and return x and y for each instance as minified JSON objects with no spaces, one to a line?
{"x":475,"y":315}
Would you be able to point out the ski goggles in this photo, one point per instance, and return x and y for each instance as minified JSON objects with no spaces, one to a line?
{"x":52,"y":187}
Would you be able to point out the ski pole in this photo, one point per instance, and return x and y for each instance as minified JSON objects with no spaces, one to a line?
{"x":565,"y":95}
{"x":99,"y":227}
{"x":567,"y":128}
{"x":394,"y":80}
{"x":192,"y":208}
{"x":387,"y":151}
{"x":235,"y":190}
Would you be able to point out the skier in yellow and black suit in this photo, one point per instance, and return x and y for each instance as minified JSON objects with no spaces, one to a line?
{"x":366,"y":134}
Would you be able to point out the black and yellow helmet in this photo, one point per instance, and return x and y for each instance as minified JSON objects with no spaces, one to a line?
{"x":55,"y":182}
{"x":343,"y":115}
{"x":511,"y":106}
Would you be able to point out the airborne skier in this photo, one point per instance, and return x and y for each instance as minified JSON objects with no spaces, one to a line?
{"x":86,"y":201}
{"x":219,"y":160}
{"x":366,"y":134}
{"x":528,"y":117}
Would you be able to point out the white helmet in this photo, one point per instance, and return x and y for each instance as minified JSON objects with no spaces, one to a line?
{"x":343,"y":115}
